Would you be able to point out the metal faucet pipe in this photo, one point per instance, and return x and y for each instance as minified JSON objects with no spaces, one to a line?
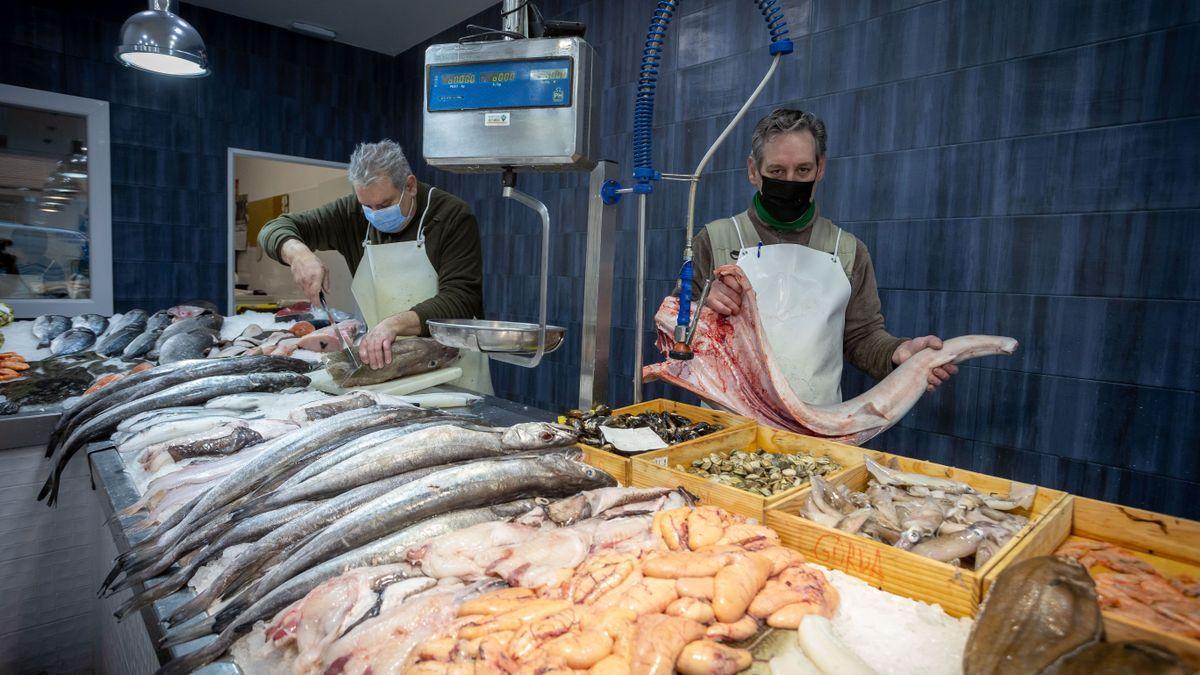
{"x":691,"y":211}
{"x":641,"y":299}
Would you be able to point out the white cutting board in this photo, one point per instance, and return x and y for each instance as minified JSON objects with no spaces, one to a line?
{"x":322,"y":380}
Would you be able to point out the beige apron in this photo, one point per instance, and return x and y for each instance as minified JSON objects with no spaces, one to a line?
{"x":392,"y":278}
{"x":802,"y":295}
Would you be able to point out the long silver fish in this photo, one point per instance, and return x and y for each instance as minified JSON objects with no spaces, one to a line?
{"x":386,"y":551}
{"x":181,"y":394}
{"x":427,"y":447}
{"x":457,"y":487}
{"x":157,"y":379}
{"x":472,"y":484}
{"x":222,"y":536}
{"x":49,"y":326}
{"x":288,"y":537}
{"x":281,"y":451}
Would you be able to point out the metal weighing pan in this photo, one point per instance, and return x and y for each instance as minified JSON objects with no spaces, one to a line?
{"x":495,"y":337}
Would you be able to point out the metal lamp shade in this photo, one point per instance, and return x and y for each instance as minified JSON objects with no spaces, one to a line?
{"x":158,"y":41}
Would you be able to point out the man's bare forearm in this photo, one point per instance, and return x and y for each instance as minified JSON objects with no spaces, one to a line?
{"x":292,"y":248}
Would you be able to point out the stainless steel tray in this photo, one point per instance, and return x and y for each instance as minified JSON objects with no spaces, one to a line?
{"x":494,"y":337}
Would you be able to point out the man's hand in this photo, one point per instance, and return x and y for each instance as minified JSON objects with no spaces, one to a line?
{"x":310,"y":275}
{"x":725,"y":296}
{"x":375,"y":349}
{"x":909,"y":347}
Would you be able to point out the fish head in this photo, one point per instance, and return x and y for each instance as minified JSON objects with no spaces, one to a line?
{"x":573,"y":474}
{"x":538,"y":436}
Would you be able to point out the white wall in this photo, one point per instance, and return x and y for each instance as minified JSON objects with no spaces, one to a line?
{"x":260,"y":178}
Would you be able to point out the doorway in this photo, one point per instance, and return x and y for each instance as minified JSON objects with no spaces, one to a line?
{"x":261,"y":187}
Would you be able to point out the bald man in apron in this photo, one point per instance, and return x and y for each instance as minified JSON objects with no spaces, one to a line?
{"x":814,"y":282}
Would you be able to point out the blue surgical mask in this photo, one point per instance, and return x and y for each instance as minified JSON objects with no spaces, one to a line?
{"x":388,"y":220}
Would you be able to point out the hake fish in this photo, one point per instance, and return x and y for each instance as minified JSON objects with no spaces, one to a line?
{"x":428,"y":447}
{"x":280,"y":452}
{"x":287,"y":538}
{"x":453,"y":488}
{"x":203,"y":545}
{"x":181,"y":394}
{"x":162,"y":377}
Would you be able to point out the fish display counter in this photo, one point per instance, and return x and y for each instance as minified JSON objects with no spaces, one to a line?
{"x":116,"y":491}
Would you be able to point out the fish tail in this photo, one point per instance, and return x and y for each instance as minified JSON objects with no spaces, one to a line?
{"x":181,"y":635}
{"x":112,"y":576}
{"x":155,"y":592}
{"x":45,"y":488}
{"x":201,"y":657}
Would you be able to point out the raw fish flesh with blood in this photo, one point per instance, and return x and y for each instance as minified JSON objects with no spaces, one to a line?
{"x":734,"y":368}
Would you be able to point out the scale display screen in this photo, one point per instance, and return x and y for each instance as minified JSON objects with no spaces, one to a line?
{"x":527,"y":83}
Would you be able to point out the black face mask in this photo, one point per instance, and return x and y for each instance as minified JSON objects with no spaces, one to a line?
{"x":786,"y":200}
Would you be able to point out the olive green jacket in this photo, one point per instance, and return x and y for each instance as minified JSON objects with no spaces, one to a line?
{"x":451,"y":238}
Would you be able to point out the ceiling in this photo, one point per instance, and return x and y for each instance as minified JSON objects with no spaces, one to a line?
{"x":385,"y":26}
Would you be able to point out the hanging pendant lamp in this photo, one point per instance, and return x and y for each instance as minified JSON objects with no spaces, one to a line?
{"x":157,"y":41}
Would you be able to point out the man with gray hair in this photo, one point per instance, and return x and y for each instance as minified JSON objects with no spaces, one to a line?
{"x":814,"y":282}
{"x":413,"y":249}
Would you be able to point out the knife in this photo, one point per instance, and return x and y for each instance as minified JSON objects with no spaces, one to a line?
{"x":346,"y":347}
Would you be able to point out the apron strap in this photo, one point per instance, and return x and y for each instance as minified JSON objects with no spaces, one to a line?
{"x":828,"y":238}
{"x":725,"y":237}
{"x":421,"y":224}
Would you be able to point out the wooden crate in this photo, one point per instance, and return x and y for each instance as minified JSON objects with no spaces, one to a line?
{"x":1170,"y":544}
{"x":959,"y":591}
{"x":657,"y":469}
{"x":619,"y":467}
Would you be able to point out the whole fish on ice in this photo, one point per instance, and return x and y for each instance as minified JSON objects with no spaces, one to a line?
{"x":49,"y":326}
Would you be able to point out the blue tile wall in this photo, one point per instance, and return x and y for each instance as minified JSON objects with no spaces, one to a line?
{"x":271,"y":90}
{"x":1026,"y":168}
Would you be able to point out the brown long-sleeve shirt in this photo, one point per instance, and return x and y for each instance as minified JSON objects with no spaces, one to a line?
{"x":865,"y":342}
{"x":451,"y":242}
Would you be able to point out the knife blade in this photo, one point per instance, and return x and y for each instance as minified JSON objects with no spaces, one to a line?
{"x":346,"y":347}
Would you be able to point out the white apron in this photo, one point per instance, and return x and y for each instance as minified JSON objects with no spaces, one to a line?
{"x":392,"y":278}
{"x":802,"y":295}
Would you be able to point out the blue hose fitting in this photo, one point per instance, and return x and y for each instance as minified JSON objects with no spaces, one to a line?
{"x":685,"y":294}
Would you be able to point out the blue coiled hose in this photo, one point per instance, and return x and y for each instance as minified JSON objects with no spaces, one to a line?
{"x":643,"y":105}
{"x":643,"y":110}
